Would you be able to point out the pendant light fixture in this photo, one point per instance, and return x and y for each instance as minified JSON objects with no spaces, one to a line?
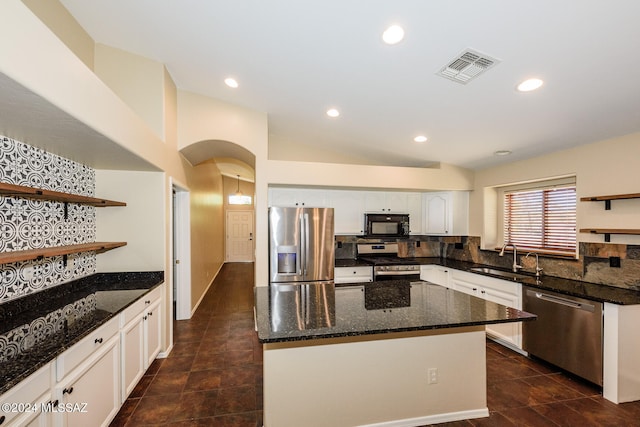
{"x":238,"y":192}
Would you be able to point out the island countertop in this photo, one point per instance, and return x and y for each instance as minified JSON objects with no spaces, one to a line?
{"x":292,"y":312}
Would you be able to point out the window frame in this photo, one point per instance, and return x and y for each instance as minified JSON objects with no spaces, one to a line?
{"x":546,"y":185}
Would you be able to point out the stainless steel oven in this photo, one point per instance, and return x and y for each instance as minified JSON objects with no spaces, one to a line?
{"x":386,"y":263}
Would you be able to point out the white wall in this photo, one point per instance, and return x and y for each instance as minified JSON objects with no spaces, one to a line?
{"x":140,"y":223}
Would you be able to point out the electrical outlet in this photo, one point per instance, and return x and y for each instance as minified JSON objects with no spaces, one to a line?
{"x":614,"y":261}
{"x":432,"y":376}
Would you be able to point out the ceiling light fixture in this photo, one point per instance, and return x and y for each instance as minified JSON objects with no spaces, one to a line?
{"x":393,"y":35}
{"x":420,"y":138}
{"x":529,"y":85}
{"x":502,"y":153}
{"x":238,"y":192}
{"x":231,"y":82}
{"x":332,"y":112}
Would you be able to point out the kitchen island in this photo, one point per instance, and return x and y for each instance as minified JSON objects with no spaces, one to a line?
{"x":384,"y":353}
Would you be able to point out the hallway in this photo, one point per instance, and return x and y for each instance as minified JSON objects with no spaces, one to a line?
{"x":213,"y":376}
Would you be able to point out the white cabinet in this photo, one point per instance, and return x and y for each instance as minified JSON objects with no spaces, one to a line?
{"x":385,"y":201}
{"x":27,"y":398}
{"x":358,"y":274}
{"x":414,"y":209}
{"x":140,"y":339}
{"x":298,"y":197}
{"x":435,"y":274}
{"x":496,"y":290}
{"x":90,"y":394}
{"x":348,"y":211}
{"x":446,"y":213}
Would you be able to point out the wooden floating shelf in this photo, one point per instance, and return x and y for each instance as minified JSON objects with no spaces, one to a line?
{"x":607,"y":199}
{"x":36,"y":193}
{"x":31,"y":254}
{"x":609,"y":231}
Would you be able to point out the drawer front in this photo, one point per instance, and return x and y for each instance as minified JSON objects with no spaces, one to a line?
{"x":141,"y":304}
{"x":26,"y":393}
{"x":71,"y":358}
{"x":353,"y":271}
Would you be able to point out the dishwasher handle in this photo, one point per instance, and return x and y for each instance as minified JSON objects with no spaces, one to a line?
{"x":559,"y":300}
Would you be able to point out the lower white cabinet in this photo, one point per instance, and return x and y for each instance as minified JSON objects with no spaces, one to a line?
{"x":86,"y":384}
{"x":358,"y":274}
{"x":140,"y":339}
{"x":435,"y":274}
{"x":90,"y":394}
{"x":496,"y":290}
{"x":27,"y":399}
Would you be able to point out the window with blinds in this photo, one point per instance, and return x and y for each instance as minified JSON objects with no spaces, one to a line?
{"x":541,"y":219}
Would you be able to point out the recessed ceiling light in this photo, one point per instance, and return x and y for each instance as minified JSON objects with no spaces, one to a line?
{"x":231,"y":82}
{"x":392,"y":35}
{"x":332,"y":112}
{"x":529,"y":85}
{"x":502,"y":153}
{"x":420,"y":138}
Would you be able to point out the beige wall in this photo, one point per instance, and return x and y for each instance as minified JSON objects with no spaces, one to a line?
{"x":602,"y":168}
{"x":65,"y":27}
{"x":138,"y":81}
{"x":137,"y":223}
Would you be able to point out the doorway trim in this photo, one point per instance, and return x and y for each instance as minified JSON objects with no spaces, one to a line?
{"x":180,"y":268}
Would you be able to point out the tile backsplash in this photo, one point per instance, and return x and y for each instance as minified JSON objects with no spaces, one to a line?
{"x":34,"y":223}
{"x":593,"y":264}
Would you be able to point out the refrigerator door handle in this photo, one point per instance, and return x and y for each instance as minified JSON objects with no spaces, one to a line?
{"x":306,"y":244}
{"x":301,"y":247}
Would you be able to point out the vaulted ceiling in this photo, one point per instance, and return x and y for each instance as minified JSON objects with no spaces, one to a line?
{"x":296,"y":59}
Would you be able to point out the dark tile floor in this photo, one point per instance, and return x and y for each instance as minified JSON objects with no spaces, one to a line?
{"x":213,"y":376}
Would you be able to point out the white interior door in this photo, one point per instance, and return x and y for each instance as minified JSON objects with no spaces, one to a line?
{"x":181,"y":265}
{"x":239,"y":245}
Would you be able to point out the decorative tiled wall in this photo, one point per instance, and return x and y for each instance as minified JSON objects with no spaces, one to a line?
{"x":20,"y":339}
{"x":30,"y":223}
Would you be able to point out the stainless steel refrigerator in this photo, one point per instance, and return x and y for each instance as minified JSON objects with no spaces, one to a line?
{"x":301,"y":245}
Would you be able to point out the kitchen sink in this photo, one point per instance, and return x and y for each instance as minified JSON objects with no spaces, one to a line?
{"x":506,"y":274}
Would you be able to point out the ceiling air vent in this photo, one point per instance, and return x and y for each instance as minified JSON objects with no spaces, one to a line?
{"x":467,"y":66}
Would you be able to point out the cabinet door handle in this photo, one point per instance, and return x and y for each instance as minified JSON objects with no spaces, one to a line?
{"x":475,"y":289}
{"x":98,"y":341}
{"x":482,"y":292}
{"x":144,"y":318}
{"x":147,"y":302}
{"x":150,"y":313}
{"x":67,"y":390}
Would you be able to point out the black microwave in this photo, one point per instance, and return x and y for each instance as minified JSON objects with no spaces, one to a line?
{"x":386,"y":225}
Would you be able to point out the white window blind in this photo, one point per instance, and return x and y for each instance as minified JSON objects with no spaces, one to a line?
{"x":541,"y":219}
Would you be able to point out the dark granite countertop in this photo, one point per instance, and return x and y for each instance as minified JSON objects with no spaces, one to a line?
{"x":314,"y":311}
{"x":352,"y":263}
{"x":37,"y":328}
{"x":591,"y":291}
{"x":578,"y":288}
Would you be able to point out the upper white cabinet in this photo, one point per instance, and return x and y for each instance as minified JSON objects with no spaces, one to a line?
{"x":348,"y":213}
{"x":298,"y":197}
{"x":446,"y":213}
{"x":386,"y":201}
{"x":414,"y":209}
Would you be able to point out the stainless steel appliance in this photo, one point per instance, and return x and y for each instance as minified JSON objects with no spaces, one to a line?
{"x":385,"y":261}
{"x":567,"y":332}
{"x":386,"y":225}
{"x":301,"y":245}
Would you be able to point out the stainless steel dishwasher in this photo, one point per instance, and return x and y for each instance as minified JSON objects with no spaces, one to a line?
{"x":567,"y":332}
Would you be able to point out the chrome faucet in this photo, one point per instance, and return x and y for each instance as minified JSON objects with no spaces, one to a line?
{"x":538,"y":268}
{"x":515,"y":267}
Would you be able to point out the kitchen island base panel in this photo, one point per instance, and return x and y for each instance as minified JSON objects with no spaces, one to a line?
{"x":621,"y":375}
{"x":376,"y":380}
